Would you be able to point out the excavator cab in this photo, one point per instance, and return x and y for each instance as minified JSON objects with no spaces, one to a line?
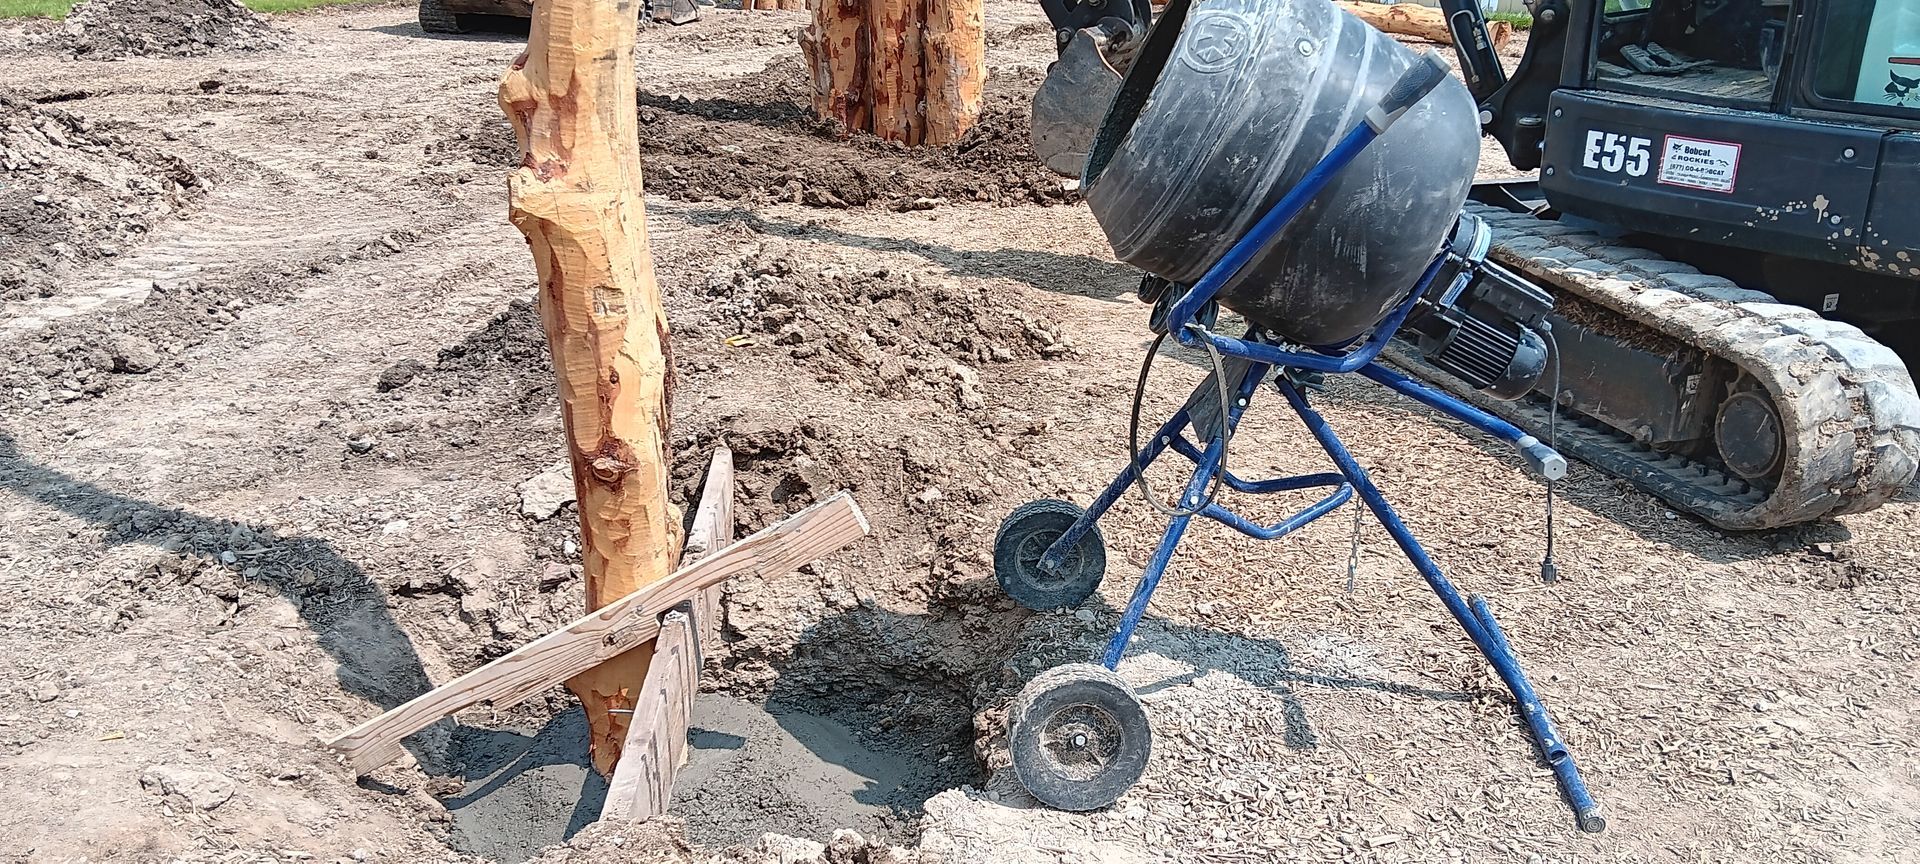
{"x":1786,"y":128}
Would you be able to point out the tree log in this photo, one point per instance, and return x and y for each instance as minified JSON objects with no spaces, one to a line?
{"x":912,"y":71}
{"x":1421,"y":22}
{"x":955,"y":67}
{"x":576,"y":196}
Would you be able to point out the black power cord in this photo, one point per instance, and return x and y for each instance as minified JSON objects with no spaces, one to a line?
{"x":1549,"y":573}
{"x":1133,"y":430}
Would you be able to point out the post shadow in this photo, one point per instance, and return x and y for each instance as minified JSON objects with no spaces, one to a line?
{"x":346,"y":609}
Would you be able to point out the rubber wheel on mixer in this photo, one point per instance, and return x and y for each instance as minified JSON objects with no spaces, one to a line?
{"x":1078,"y":737}
{"x":1024,"y":537}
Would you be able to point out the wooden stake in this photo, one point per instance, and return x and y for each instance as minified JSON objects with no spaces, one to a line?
{"x":657,"y":738}
{"x":712,"y":531}
{"x":912,"y":71}
{"x":576,"y":196}
{"x":612,"y":631}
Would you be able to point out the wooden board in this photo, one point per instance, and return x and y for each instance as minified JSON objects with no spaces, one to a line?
{"x":657,"y":735}
{"x":656,"y":746}
{"x":712,"y":531}
{"x":615,"y":628}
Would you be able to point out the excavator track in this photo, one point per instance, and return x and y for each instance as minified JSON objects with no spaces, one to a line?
{"x":1849,"y":415}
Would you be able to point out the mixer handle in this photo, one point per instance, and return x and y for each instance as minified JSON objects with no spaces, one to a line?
{"x":1425,"y":74}
{"x":1544,"y":460}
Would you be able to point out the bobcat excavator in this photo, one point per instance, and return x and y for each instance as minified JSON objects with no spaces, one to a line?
{"x":1725,"y":215}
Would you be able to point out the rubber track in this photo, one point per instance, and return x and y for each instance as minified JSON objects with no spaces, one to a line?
{"x":1846,"y":402}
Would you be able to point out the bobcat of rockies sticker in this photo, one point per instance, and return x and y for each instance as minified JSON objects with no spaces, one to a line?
{"x":1699,"y":164}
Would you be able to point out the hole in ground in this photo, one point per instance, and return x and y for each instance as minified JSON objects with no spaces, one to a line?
{"x":864,"y":722}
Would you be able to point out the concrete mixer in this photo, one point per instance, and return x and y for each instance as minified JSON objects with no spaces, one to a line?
{"x":1282,"y":160}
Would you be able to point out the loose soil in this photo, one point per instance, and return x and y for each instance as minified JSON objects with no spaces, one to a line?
{"x":258,"y":478}
{"x":116,"y":29}
{"x":73,"y":191}
{"x":755,"y":139}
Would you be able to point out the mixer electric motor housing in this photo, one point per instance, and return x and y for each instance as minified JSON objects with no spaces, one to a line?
{"x":1328,"y":216}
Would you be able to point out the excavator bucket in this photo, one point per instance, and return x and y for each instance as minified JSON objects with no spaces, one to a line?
{"x":1071,"y":101}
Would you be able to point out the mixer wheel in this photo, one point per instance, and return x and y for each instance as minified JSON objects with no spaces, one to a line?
{"x":1078,"y":737}
{"x":1024,"y":538}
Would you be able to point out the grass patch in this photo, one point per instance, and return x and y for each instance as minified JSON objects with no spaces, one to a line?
{"x":58,"y":8}
{"x":1518,"y":20}
{"x":34,"y":8}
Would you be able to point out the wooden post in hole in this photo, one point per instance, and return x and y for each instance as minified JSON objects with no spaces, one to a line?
{"x":576,"y":196}
{"x":912,"y":71}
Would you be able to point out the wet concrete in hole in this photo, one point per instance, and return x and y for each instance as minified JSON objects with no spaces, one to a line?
{"x":753,"y":770}
{"x":757,"y":769}
{"x":525,"y":788}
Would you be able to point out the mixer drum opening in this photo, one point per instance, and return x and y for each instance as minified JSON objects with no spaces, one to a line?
{"x":1226,"y":107}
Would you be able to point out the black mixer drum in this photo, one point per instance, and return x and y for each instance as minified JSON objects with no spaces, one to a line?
{"x":1226,"y":107}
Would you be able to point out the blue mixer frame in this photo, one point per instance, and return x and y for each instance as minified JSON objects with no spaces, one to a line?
{"x":1257,"y":360}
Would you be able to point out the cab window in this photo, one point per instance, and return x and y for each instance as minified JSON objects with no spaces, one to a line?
{"x":1869,"y":53}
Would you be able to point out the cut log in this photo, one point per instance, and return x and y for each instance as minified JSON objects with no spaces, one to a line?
{"x":609,"y":632}
{"x":836,"y":60}
{"x":1420,"y":22}
{"x":656,"y":748}
{"x":912,"y":71}
{"x":955,"y":68}
{"x":576,"y":196}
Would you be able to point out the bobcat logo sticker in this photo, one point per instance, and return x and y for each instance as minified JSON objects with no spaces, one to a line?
{"x":1216,"y":40}
{"x":1901,"y":90}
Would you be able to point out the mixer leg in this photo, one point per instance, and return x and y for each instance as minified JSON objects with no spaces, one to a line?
{"x":1474,"y":618}
{"x":1157,"y":566}
{"x":1162,"y":438}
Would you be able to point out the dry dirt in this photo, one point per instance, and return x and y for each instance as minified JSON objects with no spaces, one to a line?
{"x":258,"y":476}
{"x":117,"y":29}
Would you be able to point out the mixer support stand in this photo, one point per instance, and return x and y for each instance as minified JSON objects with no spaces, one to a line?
{"x":1201,"y":413}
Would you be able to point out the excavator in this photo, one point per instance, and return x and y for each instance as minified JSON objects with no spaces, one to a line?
{"x":1724,"y":216}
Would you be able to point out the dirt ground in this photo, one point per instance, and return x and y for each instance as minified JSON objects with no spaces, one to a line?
{"x":259,"y":471}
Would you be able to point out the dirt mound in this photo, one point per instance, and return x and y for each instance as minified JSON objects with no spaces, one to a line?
{"x":897,"y":333}
{"x":72,"y":191}
{"x":762,"y":143}
{"x":114,"y":29}
{"x":756,"y":140}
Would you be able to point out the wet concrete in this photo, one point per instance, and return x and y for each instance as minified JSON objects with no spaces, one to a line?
{"x":757,"y":769}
